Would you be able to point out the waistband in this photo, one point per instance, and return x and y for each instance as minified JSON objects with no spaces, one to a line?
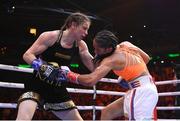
{"x":140,"y":81}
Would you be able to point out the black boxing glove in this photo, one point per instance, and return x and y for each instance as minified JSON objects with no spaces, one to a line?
{"x":48,"y":72}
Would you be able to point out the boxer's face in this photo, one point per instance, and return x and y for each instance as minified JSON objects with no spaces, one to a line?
{"x":82,"y":30}
{"x":99,"y":50}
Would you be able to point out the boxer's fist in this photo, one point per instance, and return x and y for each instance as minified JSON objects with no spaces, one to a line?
{"x":123,"y":83}
{"x":49,"y":74}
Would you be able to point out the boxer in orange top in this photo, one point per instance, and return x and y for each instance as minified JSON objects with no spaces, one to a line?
{"x":129,"y":63}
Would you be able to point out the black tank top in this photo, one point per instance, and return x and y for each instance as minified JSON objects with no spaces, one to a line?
{"x":62,"y":56}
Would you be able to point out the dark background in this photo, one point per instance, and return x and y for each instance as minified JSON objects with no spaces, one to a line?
{"x":153,"y":24}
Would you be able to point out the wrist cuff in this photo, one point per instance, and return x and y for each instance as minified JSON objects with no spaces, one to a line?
{"x":72,"y":77}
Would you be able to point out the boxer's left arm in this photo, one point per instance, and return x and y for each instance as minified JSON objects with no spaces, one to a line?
{"x":87,"y":79}
{"x":92,"y":78}
{"x":85,"y":55}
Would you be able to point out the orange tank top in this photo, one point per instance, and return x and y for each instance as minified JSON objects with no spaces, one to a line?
{"x":134,"y":65}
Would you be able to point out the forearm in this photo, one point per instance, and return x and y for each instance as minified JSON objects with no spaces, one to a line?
{"x":87,"y":60}
{"x":86,"y":80}
{"x":28,"y":58}
{"x":92,"y":78}
{"x":89,"y":64}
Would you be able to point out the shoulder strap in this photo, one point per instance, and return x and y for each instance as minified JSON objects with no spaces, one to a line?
{"x":59,"y":36}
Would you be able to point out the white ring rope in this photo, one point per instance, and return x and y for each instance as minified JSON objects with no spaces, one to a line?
{"x":72,"y":90}
{"x":30,"y":70}
{"x":85,"y":91}
{"x":12,"y":85}
{"x":13,"y":105}
{"x":16,"y":68}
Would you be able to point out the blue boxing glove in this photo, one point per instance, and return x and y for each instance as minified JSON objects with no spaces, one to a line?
{"x":123,"y":83}
{"x":66,"y":75}
{"x":62,"y":75}
{"x":36,"y":64}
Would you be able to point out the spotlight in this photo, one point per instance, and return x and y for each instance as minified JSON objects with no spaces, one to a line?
{"x":32,"y":31}
{"x":11,"y":9}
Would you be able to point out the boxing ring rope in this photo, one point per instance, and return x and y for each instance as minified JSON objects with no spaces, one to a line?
{"x":85,"y":91}
{"x":30,"y":70}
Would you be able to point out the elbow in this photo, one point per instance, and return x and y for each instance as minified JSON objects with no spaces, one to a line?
{"x":24,"y":56}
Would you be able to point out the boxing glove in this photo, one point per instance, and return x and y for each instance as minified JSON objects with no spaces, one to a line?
{"x":36,"y":64}
{"x":123,"y":83}
{"x":66,"y":75}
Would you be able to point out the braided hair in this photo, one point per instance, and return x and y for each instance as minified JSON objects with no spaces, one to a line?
{"x":105,"y":39}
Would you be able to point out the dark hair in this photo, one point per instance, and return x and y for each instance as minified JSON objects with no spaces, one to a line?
{"x":106,"y":39}
{"x":78,"y":18}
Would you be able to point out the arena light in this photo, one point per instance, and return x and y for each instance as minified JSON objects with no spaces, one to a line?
{"x":74,"y":65}
{"x":32,"y":31}
{"x":174,"y":55}
{"x":24,"y":66}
